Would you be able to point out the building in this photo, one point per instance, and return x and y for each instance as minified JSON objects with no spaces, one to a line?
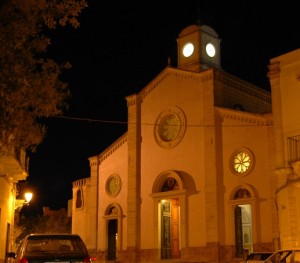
{"x":203,"y":172}
{"x":13,"y":168}
{"x":284,"y":75}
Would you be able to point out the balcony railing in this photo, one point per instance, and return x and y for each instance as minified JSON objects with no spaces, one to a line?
{"x":293,"y":145}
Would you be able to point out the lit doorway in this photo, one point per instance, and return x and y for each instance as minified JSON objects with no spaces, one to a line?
{"x":243,"y":229}
{"x":112,"y":239}
{"x":170,"y":230}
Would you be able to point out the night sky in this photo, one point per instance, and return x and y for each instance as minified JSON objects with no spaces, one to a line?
{"x":123,"y":45}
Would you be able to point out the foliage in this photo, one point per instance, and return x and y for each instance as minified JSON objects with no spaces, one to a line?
{"x":30,"y":85}
{"x":57,"y":222}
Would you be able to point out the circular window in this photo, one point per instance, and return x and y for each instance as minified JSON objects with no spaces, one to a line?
{"x":113,"y":185}
{"x":242,"y":161}
{"x":170,"y":127}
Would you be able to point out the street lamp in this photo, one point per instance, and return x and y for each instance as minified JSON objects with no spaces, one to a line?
{"x":21,"y":202}
{"x":28,"y":197}
{"x":18,"y":205}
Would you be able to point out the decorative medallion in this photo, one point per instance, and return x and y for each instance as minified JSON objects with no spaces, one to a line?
{"x":242,"y":162}
{"x":113,"y":185}
{"x":170,"y":127}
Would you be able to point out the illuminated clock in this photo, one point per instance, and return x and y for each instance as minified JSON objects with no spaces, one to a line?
{"x":188,"y":49}
{"x":210,"y":50}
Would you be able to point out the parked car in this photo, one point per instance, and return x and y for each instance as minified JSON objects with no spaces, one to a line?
{"x":280,"y":256}
{"x":40,"y":248}
{"x":287,"y":256}
{"x":257,"y":256}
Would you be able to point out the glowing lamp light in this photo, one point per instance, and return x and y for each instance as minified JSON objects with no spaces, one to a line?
{"x":21,"y":202}
{"x":28,"y":197}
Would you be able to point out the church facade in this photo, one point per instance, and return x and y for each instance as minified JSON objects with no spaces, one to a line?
{"x":202,"y":173}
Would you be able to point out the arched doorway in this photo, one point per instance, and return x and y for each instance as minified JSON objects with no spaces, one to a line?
{"x":113,"y":217}
{"x":169,"y":198}
{"x":170,"y":229}
{"x":112,"y":239}
{"x":243,"y":223}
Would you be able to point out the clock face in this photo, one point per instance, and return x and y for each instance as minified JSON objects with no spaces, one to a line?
{"x":188,"y":49}
{"x":210,"y":50}
{"x":169,"y":127}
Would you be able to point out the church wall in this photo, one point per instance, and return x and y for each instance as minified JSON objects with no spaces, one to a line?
{"x":187,"y":157}
{"x":284,"y":77}
{"x":234,"y":93}
{"x":80,"y":212}
{"x":290,"y":95}
{"x":113,"y":164}
{"x":252,"y":135}
{"x":289,"y":208}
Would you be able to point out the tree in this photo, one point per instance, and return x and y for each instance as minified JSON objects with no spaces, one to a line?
{"x":30,"y":84}
{"x":56,"y":222}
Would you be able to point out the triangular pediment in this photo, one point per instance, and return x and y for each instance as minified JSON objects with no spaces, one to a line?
{"x":167,"y":73}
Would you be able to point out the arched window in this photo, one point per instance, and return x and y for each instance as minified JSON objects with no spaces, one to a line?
{"x":79,"y":201}
{"x":170,"y":184}
{"x":242,"y":193}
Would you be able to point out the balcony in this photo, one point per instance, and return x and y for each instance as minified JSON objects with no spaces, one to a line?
{"x":14,"y":164}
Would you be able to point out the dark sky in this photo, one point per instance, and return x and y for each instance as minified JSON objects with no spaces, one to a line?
{"x":119,"y":48}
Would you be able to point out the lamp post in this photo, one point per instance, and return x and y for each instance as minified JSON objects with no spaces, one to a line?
{"x":19,"y":204}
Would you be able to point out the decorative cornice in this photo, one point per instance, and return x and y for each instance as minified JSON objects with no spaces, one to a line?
{"x":81,"y":182}
{"x":274,"y":70}
{"x":248,"y":118}
{"x":182,"y":74}
{"x":203,"y":76}
{"x":131,"y":100}
{"x":93,"y":161}
{"x":112,"y":148}
{"x":243,"y":86}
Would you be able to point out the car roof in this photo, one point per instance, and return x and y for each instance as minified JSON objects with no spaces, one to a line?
{"x":52,"y":234}
{"x":262,"y":253}
{"x":285,"y":250}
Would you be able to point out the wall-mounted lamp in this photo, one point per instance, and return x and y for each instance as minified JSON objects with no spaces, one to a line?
{"x":21,"y":202}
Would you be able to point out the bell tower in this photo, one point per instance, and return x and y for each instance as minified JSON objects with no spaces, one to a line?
{"x":198,"y":48}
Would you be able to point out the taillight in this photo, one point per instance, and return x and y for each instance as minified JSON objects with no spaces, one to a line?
{"x":85,"y":260}
{"x":23,"y":260}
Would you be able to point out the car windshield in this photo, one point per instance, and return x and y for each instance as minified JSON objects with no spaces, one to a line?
{"x":64,"y":244}
{"x":258,"y":256}
{"x":282,"y":256}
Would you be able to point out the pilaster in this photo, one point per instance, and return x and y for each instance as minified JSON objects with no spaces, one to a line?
{"x":134,"y":195}
{"x":274,"y":77}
